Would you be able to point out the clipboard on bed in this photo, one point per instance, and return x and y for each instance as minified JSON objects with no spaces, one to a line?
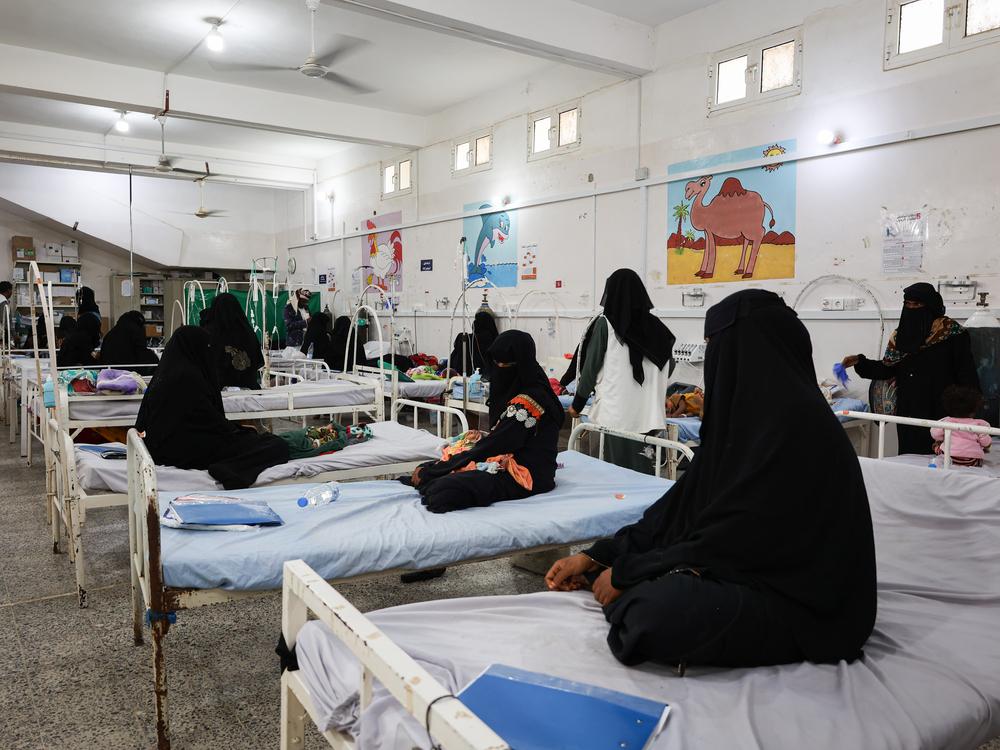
{"x":533,"y":711}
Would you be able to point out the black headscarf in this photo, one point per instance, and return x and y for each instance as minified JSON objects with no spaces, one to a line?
{"x":778,"y":506}
{"x":125,"y":343}
{"x":185,"y":367}
{"x":627,"y":307}
{"x":318,"y":335}
{"x":338,"y":345}
{"x":484,"y":333}
{"x":85,"y":302}
{"x":77,"y":349}
{"x":235,"y":347}
{"x":526,"y":376}
{"x":915,"y":322}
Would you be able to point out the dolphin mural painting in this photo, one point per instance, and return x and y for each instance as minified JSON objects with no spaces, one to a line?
{"x":496,"y":228}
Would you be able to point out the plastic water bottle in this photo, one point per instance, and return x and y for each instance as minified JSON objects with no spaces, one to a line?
{"x":476,"y":385}
{"x":48,"y":392}
{"x":321,"y":494}
{"x":933,"y":463}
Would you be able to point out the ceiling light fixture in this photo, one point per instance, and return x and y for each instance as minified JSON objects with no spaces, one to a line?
{"x":214,"y":40}
{"x":121,"y":124}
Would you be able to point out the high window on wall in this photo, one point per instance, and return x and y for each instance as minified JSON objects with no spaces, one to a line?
{"x":918,"y":30}
{"x":398,"y":176}
{"x":474,"y":153}
{"x":764,"y":69}
{"x":553,"y":131}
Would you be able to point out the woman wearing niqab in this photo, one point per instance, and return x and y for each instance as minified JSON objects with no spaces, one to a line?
{"x":235,"y":348}
{"x":762,"y":553}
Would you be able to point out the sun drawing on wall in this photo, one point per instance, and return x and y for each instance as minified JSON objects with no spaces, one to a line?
{"x":733,"y":225}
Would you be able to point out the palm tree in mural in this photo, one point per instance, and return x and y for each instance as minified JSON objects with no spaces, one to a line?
{"x":689,"y":235}
{"x":680,"y":213}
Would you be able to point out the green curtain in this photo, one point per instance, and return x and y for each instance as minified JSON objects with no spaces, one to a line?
{"x":275,"y":308}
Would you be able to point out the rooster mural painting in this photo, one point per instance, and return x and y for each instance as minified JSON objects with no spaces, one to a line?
{"x":726,"y":220}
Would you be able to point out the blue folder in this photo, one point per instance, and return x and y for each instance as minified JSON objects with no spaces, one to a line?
{"x":532,"y":711}
{"x":222,"y":511}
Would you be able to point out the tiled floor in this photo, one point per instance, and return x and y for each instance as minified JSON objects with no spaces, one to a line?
{"x":71,"y":678}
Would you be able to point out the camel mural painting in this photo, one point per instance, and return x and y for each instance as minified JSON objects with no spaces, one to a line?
{"x":733,"y":225}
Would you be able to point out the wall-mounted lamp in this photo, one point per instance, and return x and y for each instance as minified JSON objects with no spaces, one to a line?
{"x":829,"y":138}
{"x":121,"y":124}
{"x":214,"y":40}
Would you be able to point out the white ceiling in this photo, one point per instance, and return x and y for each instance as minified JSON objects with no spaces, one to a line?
{"x":649,"y":12}
{"x":414,"y":70}
{"x":181,"y":135}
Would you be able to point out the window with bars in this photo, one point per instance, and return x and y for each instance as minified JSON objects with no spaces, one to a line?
{"x":919,"y":30}
{"x":554,"y":130}
{"x":474,"y":153}
{"x":398,"y":176}
{"x":764,"y":69}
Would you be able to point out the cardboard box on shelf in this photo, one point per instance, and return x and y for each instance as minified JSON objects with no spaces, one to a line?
{"x":67,"y":275}
{"x":151,"y":330}
{"x":51,"y":251}
{"x":71,"y":251}
{"x":22,"y":247}
{"x":19,"y":273}
{"x":52,"y":276}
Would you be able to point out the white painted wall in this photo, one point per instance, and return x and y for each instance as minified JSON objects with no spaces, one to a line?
{"x":956,"y":177}
{"x":257,"y":221}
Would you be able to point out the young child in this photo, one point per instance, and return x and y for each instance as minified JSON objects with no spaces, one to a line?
{"x":967,"y":448}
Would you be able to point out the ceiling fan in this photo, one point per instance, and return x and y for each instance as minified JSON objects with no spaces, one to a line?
{"x":202,"y":212}
{"x":163,"y":163}
{"x":315,"y":66}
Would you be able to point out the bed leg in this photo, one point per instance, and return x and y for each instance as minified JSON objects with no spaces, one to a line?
{"x":137,"y":608}
{"x":292,"y":715}
{"x":56,"y":524}
{"x":159,"y":628}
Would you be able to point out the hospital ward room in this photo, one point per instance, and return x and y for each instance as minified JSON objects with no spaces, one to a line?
{"x":556,"y":375}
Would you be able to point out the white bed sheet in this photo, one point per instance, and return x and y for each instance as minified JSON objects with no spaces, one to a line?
{"x":421,"y":388}
{"x":308,"y":395}
{"x":391,"y":443}
{"x":991,"y":464}
{"x":929,"y":678}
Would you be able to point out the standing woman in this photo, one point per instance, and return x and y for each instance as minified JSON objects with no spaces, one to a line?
{"x":317,"y":336}
{"x":625,"y":358}
{"x":235,"y":348}
{"x":184,"y":423}
{"x":762,"y":553}
{"x":340,"y":338}
{"x":296,"y":317}
{"x":926,"y":353}
{"x":87,"y":305}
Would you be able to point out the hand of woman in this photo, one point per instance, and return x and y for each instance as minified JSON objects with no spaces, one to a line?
{"x":566,"y":574}
{"x":604,"y":592}
{"x":415,"y":477}
{"x":573,"y":413}
{"x":850,"y":360}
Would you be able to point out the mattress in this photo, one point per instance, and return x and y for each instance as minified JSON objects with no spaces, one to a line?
{"x":420,"y":388}
{"x":929,"y":678}
{"x":381,"y":525}
{"x":93,"y":408}
{"x":391,"y":443}
{"x":991,"y":463}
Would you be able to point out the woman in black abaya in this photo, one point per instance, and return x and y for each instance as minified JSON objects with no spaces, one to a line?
{"x":339,"y":340}
{"x":927,"y":352}
{"x":317,"y":336}
{"x":235,"y":348}
{"x":525,"y":416}
{"x":762,"y":553}
{"x":78,"y":348}
{"x":125,"y":344}
{"x":185,"y":424}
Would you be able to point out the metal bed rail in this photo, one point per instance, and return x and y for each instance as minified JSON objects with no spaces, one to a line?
{"x":673,"y":447}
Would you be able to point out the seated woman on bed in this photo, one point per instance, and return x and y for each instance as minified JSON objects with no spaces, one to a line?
{"x":762,"y":553}
{"x":185,"y":424}
{"x":235,"y":348}
{"x":518,"y":457}
{"x":125,"y":344}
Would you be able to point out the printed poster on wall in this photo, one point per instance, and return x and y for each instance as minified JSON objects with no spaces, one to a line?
{"x":903,"y":238}
{"x":491,"y":245}
{"x":736,"y":225}
{"x":383,"y":251}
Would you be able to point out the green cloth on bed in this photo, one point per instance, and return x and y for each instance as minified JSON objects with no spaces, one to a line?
{"x":315,"y":441}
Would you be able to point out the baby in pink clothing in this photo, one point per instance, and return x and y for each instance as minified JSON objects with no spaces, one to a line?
{"x":967,"y":448}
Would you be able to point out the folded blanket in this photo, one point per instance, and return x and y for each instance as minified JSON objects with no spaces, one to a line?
{"x":120,"y":381}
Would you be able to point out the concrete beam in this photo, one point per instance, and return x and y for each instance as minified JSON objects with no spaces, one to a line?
{"x":558,"y":30}
{"x":56,"y":76}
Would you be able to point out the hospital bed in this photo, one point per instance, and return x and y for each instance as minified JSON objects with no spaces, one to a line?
{"x":80,"y":479}
{"x":373,"y":529}
{"x":929,"y":677}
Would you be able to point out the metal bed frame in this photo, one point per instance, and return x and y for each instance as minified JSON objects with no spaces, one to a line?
{"x":156,"y":604}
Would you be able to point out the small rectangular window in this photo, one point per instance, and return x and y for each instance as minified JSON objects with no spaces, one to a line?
{"x":982,"y":16}
{"x":397,"y":176}
{"x":920,"y":25}
{"x":472,"y":153}
{"x":777,"y":67}
{"x":553,"y":131}
{"x":462,"y":153}
{"x":483,"y":150}
{"x":732,"y":80}
{"x":768,"y":68}
{"x":920,"y":30}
